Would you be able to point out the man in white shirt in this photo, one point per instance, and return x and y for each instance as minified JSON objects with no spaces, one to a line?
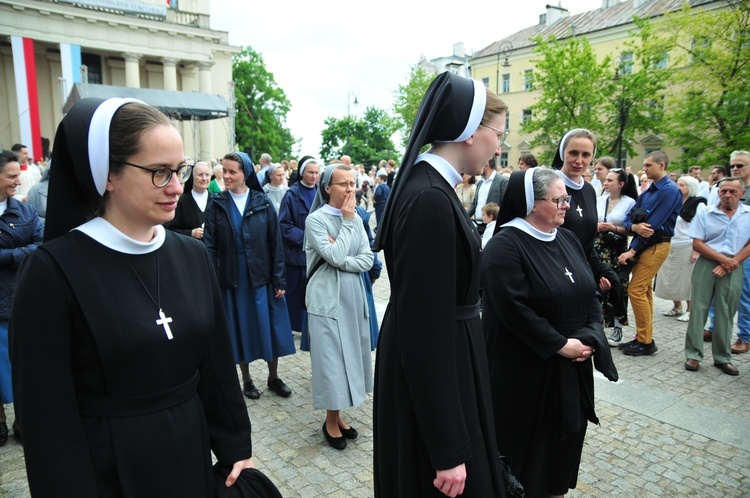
{"x":490,"y":188}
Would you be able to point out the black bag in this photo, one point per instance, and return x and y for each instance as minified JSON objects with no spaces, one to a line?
{"x":307,"y":279}
{"x":513,"y":488}
{"x":611,"y":239}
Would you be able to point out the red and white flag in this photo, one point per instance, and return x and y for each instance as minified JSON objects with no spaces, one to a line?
{"x":24,"y":65}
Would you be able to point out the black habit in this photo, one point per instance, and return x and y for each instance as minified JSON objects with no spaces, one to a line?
{"x":582,"y":219}
{"x":432,"y":391}
{"x":188,"y":216}
{"x":536,"y":295}
{"x":112,"y":407}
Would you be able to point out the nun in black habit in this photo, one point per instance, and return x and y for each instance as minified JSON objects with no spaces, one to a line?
{"x":575,"y":152}
{"x":125,"y":382}
{"x":433,"y":424}
{"x":543,"y":326}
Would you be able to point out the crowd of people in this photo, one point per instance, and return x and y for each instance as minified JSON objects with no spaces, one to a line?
{"x":163,"y":275}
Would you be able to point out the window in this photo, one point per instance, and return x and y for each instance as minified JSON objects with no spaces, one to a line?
{"x":506,"y":83}
{"x":503,"y":159}
{"x":486,"y":82}
{"x":528,"y":78}
{"x":626,"y":64}
{"x":661,"y":63}
{"x":93,"y":64}
{"x":623,"y":159}
{"x":526,"y":118}
{"x":507,"y":121}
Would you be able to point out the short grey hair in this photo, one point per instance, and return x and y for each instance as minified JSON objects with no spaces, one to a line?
{"x":543,"y":179}
{"x":738,"y":153}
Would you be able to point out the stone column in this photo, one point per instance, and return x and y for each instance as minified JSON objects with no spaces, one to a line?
{"x":132,"y":70}
{"x":170,"y":73}
{"x":207,"y":129}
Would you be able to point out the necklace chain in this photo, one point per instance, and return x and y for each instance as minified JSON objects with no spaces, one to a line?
{"x":163,"y":320}
{"x":157,"y":301}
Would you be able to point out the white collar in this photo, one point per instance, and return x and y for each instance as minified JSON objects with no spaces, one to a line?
{"x":491,"y":177}
{"x":109,"y":236}
{"x":328,"y":209}
{"x":526,"y":227}
{"x":570,"y":183}
{"x":446,"y":170}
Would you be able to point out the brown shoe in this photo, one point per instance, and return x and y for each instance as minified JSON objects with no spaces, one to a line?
{"x":740,"y":346}
{"x":707,"y":335}
{"x":727,"y":368}
{"x":692,"y":365}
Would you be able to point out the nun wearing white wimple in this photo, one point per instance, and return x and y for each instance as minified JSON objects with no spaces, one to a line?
{"x":433,"y":424}
{"x":337,"y":251}
{"x":124,"y":385}
{"x":543,"y":327}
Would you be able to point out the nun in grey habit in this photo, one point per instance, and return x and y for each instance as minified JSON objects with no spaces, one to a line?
{"x":337,"y":250}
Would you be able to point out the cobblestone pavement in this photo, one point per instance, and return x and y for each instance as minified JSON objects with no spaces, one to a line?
{"x":664,"y":431}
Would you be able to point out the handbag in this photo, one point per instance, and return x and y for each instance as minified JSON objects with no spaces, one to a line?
{"x":611,"y":238}
{"x":307,"y":279}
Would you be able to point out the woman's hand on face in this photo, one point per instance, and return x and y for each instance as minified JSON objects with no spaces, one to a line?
{"x":347,"y":210}
{"x":576,"y":350}
{"x":237,"y":469}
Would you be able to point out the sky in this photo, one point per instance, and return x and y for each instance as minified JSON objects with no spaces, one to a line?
{"x":322,"y":53}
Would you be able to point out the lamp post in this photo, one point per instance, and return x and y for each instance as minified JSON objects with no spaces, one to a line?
{"x":353,"y":91}
{"x":622,"y":105}
{"x":506,"y":50}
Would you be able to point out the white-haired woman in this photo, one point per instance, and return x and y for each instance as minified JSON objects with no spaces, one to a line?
{"x":673,"y":280}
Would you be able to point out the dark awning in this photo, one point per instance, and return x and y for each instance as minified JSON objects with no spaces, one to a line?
{"x":176,"y":105}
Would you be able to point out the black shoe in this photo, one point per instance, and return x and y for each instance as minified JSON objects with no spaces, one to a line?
{"x":336,"y":442}
{"x":277,"y":385}
{"x":17,"y":432}
{"x":623,"y":345}
{"x":350,"y":433}
{"x":640,"y":349}
{"x":3,"y":433}
{"x":250,"y":391}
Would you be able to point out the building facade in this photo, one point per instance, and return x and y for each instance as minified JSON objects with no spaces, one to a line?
{"x":122,"y":43}
{"x":507,"y":68}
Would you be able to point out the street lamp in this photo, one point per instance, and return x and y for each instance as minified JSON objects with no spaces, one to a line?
{"x":622,"y":105}
{"x":506,"y":50}
{"x":353,"y":91}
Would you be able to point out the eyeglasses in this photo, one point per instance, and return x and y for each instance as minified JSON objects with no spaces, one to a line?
{"x":160,"y":177}
{"x":738,"y":166}
{"x":502,"y":134}
{"x":345,"y":184}
{"x":560,"y":201}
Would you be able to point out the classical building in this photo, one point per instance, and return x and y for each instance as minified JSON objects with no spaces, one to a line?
{"x":53,"y":52}
{"x":506,"y":66}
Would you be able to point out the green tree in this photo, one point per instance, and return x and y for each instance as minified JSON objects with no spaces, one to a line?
{"x":708,"y":99}
{"x":261,"y":107}
{"x":634,"y":94}
{"x":572,"y":95}
{"x":366,"y":139}
{"x":408,"y":97}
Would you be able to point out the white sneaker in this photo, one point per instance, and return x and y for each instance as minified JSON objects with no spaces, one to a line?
{"x":615,"y":339}
{"x":685,"y":317}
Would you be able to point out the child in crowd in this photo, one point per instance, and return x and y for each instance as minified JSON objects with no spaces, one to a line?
{"x":489,"y":215}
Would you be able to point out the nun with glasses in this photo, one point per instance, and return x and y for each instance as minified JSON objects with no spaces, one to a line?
{"x":542,"y":321}
{"x":338,"y":250}
{"x":433,"y":423}
{"x":124,"y":387}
